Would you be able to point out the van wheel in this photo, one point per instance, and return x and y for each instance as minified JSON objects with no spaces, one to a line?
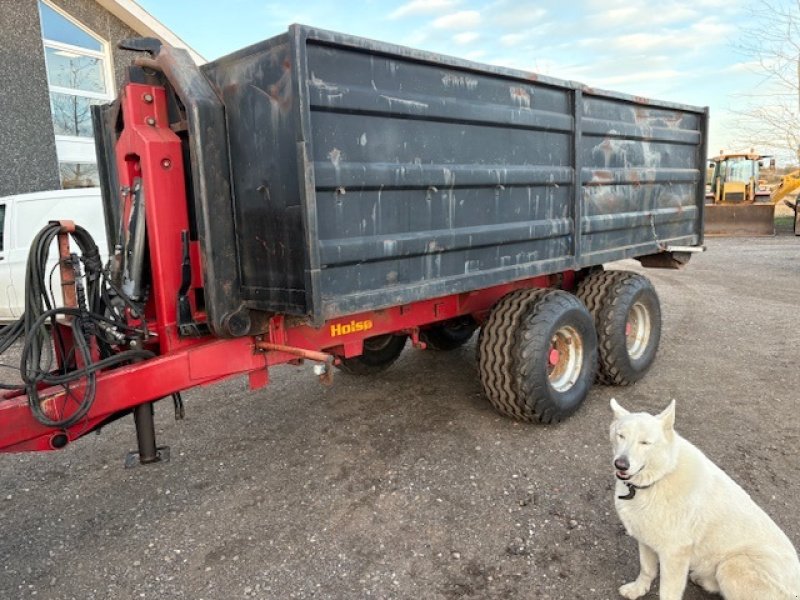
{"x":629,"y":329}
{"x":538,"y":355}
{"x":449,"y":335}
{"x":378,"y":354}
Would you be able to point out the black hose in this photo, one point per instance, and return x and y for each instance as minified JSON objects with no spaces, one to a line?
{"x":36,"y":363}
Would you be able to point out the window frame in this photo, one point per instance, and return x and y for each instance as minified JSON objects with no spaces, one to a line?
{"x":72,"y":148}
{"x":107,"y":77}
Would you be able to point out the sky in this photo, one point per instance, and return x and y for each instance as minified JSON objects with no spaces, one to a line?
{"x":679,"y":50}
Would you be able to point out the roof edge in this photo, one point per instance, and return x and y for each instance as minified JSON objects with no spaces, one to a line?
{"x":145,"y":24}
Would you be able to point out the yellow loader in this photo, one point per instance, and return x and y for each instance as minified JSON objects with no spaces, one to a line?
{"x":738,"y":202}
{"x":733,"y":206}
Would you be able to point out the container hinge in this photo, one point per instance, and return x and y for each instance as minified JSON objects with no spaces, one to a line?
{"x":187,"y":326}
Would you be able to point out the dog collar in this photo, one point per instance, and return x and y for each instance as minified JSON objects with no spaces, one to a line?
{"x":632,"y":490}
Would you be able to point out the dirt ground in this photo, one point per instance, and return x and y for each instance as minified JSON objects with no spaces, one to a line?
{"x":408,"y":485}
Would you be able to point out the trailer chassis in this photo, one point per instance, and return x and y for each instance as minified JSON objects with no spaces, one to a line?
{"x":150,"y":163}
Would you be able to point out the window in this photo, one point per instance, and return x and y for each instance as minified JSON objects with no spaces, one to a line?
{"x":79,"y":75}
{"x":71,"y":114}
{"x":78,"y":175}
{"x":58,"y":28}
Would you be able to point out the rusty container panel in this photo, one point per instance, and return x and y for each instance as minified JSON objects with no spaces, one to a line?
{"x":256,"y":86}
{"x":367,"y":175}
{"x":641,"y":176}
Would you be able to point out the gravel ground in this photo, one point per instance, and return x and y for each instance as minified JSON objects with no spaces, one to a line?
{"x":408,"y":485}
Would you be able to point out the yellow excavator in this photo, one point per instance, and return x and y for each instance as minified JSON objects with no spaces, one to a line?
{"x":789,"y":183}
{"x":738,"y":203}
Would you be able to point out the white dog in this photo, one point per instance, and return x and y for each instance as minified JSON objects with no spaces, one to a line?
{"x":691,"y":519}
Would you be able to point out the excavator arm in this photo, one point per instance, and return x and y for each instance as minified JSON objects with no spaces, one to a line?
{"x":789,"y":183}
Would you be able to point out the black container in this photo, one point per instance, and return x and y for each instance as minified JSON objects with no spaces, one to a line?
{"x":365,"y":175}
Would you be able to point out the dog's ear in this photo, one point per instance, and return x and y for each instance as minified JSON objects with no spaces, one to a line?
{"x":667,"y":417}
{"x":619,"y":412}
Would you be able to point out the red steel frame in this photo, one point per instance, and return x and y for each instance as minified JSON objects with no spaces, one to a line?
{"x":148,"y":149}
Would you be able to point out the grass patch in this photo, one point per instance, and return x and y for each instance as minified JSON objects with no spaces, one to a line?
{"x":784,"y":224}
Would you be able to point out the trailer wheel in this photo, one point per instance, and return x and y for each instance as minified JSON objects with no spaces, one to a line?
{"x":378,"y":354}
{"x":538,"y":355}
{"x":629,"y":329}
{"x":594,"y":291}
{"x":449,"y":335}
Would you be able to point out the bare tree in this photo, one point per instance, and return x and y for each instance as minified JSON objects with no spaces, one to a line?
{"x":72,"y":113}
{"x":771,"y":119}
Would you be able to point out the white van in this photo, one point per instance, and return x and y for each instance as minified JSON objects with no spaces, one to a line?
{"x":21,"y":218}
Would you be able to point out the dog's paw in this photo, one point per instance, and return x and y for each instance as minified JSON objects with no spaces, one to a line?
{"x":633,"y":590}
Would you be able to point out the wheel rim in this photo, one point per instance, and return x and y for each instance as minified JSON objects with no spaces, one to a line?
{"x":565,"y":359}
{"x":637,"y":330}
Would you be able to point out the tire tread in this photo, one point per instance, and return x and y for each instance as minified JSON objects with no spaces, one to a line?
{"x":494,"y":351}
{"x":613,"y":359}
{"x":517,"y":328}
{"x":594,"y":291}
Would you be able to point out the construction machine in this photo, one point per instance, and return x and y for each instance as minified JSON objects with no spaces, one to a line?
{"x":738,"y":201}
{"x":789,"y":183}
{"x":734,"y":205}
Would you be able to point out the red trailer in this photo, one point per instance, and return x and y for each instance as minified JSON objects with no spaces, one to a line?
{"x":324,"y":198}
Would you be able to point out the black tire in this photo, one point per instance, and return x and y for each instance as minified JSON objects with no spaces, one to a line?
{"x":449,"y":335}
{"x":594,"y":291}
{"x":629,"y":329}
{"x":515,"y":349}
{"x":378,"y":355}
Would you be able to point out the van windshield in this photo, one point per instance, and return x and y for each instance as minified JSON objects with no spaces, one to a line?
{"x":2,"y":226}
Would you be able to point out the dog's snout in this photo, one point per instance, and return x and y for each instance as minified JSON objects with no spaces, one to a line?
{"x":622,"y":463}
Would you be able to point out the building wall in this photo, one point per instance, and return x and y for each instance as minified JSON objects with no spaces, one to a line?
{"x":27,"y":143}
{"x":28,"y":161}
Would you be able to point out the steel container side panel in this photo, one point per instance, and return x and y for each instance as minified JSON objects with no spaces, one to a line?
{"x":641,"y":166}
{"x":367,"y":175}
{"x":429,"y":177}
{"x":261,"y":105}
{"x":702,"y":155}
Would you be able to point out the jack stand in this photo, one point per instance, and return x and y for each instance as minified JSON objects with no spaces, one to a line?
{"x":148,"y":452}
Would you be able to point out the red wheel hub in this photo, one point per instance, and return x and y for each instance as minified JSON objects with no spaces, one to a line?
{"x":554,"y":356}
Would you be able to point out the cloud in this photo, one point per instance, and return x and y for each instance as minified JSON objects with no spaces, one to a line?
{"x":512,"y":39}
{"x":697,"y":36}
{"x":458,"y":20}
{"x":642,"y":41}
{"x":416,"y":39}
{"x":712,"y":27}
{"x":422,"y":7}
{"x":509,"y":13}
{"x":466,"y":37}
{"x":641,"y":15}
{"x":748,"y":66}
{"x":639,"y":77}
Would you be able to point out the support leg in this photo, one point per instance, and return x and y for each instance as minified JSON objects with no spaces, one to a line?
{"x":146,"y":439}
